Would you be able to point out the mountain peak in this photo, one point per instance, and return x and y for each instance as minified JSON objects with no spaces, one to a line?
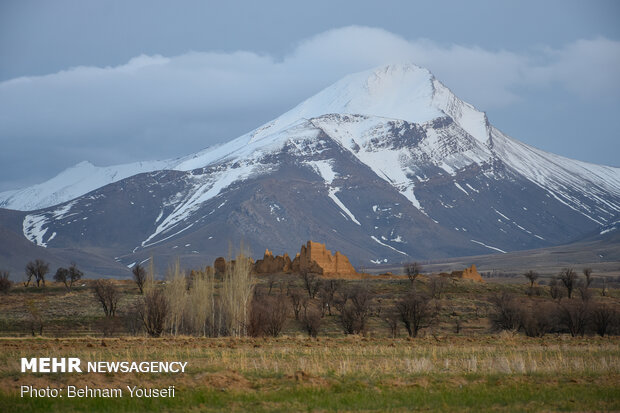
{"x":401,"y":91}
{"x":398,"y":91}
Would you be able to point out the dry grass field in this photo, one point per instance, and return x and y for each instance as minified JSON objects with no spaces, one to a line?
{"x":472,"y":368}
{"x":503,"y":372}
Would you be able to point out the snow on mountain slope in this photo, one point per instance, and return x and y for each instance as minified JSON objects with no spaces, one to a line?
{"x":399,"y":161}
{"x":582,"y":186}
{"x":73,"y":182}
{"x":388,"y":162}
{"x":465,"y":115}
{"x":405,"y":92}
{"x":361,"y":112}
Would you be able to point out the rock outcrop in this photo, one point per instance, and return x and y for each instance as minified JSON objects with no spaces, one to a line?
{"x":470,"y":273}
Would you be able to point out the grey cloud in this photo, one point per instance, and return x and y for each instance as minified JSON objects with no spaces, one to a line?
{"x":159,"y":107}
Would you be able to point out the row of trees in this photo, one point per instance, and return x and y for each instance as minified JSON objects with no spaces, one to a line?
{"x":37,"y":270}
{"x":353,"y":304}
{"x":199,"y":305}
{"x":567,"y":279}
{"x":539,"y":317}
{"x":203,"y":305}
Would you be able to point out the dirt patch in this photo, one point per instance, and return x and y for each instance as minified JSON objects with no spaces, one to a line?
{"x":226,"y":380}
{"x":306,"y":379}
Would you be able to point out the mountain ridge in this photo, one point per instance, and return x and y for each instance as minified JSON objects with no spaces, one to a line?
{"x":442,"y":182}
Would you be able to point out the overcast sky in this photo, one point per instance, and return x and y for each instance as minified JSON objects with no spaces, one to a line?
{"x":119,"y":81}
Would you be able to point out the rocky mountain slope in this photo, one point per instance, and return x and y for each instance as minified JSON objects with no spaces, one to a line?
{"x":386,"y":165}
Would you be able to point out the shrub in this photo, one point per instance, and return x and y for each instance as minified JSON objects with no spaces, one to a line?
{"x":531,"y":277}
{"x":602,"y":317}
{"x":555,"y":289}
{"x":267,"y":316}
{"x":538,"y":319}
{"x":507,"y":315}
{"x":5,"y":283}
{"x":311,"y":321}
{"x":416,"y":312}
{"x":412,"y":270}
{"x":568,"y":277}
{"x":153,"y":311}
{"x":574,"y":317}
{"x":355,"y":308}
{"x":139,"y":276}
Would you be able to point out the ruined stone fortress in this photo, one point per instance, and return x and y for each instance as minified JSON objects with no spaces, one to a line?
{"x":315,"y":258}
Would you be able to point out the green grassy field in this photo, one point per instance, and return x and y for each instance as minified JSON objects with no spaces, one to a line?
{"x":503,"y":372}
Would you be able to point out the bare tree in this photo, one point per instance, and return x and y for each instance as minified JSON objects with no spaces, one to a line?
{"x":327,"y":294}
{"x":437,"y":286}
{"x":531,"y":276}
{"x":177,"y":297}
{"x":108,"y":295}
{"x":267,"y":315}
{"x":74,"y":275}
{"x":355,"y":308}
{"x":555,"y":289}
{"x":507,"y":315}
{"x":68,"y":276}
{"x":587,"y":272}
{"x":391,"y":318}
{"x":153,"y":311}
{"x":62,"y":276}
{"x":569,"y":278}
{"x":139,"y":276}
{"x":271,"y":281}
{"x":296,"y":300}
{"x":538,"y":319}
{"x":311,"y":282}
{"x":584,"y":292}
{"x":416,"y":312}
{"x":412,"y":270}
{"x":458,"y":322}
{"x":602,"y":317}
{"x":574,"y":316}
{"x":236,"y":294}
{"x":5,"y":283}
{"x":311,"y":321}
{"x":37,"y":269}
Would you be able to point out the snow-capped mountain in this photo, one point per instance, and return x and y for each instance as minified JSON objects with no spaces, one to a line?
{"x":72,"y":183}
{"x":385,"y":165}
